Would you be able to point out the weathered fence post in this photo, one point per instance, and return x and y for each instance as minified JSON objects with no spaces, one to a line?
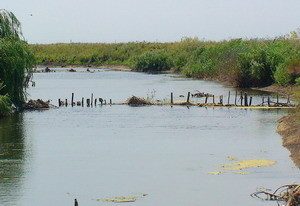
{"x":213,"y":99}
{"x":288,"y":100}
{"x":236,"y":93}
{"x":66,"y":102}
{"x":110,"y":101}
{"x":72,"y":100}
{"x":277,"y":99}
{"x":241,"y":98}
{"x":188,"y":97}
{"x":95,"y":101}
{"x":172,"y":102}
{"x":246,"y":100}
{"x":92,"y":99}
{"x":269,"y":102}
{"x":82,"y":102}
{"x":59,"y":102}
{"x":221,"y":99}
{"x":206,"y":98}
{"x":228,"y":98}
{"x":87,"y":102}
{"x":250,"y":101}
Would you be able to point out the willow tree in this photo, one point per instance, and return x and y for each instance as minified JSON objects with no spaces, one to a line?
{"x":16,"y":59}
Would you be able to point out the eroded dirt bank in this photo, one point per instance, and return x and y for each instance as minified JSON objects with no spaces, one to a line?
{"x":289,"y":129}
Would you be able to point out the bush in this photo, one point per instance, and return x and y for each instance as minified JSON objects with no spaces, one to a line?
{"x":5,"y":105}
{"x":281,"y":76}
{"x":152,"y":62}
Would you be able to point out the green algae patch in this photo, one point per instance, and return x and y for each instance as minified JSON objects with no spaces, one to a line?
{"x":248,"y":164}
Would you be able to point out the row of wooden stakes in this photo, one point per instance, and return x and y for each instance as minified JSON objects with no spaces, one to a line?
{"x":89,"y":102}
{"x":240,"y":99}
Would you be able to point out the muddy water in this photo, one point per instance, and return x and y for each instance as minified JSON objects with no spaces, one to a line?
{"x":51,"y":157}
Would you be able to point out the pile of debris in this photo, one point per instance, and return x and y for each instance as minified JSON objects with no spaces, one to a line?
{"x":136,"y":101}
{"x":288,"y":195}
{"x":36,"y":105}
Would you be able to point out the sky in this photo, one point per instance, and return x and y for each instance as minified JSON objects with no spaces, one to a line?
{"x":109,"y":21}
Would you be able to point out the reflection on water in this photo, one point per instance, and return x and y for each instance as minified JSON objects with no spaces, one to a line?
{"x":12,"y":157}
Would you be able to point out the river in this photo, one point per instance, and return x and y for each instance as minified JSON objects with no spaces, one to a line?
{"x":52,"y":157}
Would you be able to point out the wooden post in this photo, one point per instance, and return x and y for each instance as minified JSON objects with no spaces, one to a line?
{"x":172,"y":102}
{"x":87,"y":102}
{"x":101,"y":101}
{"x":250,"y":102}
{"x":188,"y":97}
{"x":269,"y":101}
{"x":59,"y":102}
{"x":241,"y":98}
{"x":228,"y":98}
{"x":105,"y":101}
{"x":221,"y":99}
{"x":288,"y":100}
{"x":236,"y":93}
{"x":213,"y":99}
{"x":92,"y":99}
{"x":263,"y":100}
{"x":95,"y":101}
{"x":66,"y":102}
{"x":110,"y":101}
{"x":72,"y":100}
{"x":82,"y":101}
{"x":277,"y":98}
{"x":206,"y":98}
{"x":246,"y":100}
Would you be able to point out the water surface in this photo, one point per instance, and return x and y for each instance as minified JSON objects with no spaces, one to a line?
{"x":51,"y":157}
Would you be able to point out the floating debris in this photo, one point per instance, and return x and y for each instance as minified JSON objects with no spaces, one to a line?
{"x":248,"y":164}
{"x":286,"y":195}
{"x":37,"y":105}
{"x":135,"y":101}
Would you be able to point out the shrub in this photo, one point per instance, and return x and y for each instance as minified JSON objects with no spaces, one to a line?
{"x":281,"y":76}
{"x":152,"y":62}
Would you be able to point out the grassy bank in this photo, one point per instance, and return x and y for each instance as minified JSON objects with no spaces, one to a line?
{"x":242,"y":63}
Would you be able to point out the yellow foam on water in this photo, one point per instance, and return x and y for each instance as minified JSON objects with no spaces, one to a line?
{"x":215,"y":173}
{"x":121,"y":199}
{"x":231,"y":159}
{"x":248,"y":164}
{"x":242,"y":173}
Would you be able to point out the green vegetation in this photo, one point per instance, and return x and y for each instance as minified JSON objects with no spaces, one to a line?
{"x":16,"y":61}
{"x":243,"y":63}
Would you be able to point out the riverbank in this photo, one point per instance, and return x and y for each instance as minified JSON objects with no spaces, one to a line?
{"x":289,"y":129}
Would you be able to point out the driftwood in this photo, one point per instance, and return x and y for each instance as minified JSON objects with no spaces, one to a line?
{"x":288,"y":195}
{"x":37,"y":105}
{"x":136,"y":101}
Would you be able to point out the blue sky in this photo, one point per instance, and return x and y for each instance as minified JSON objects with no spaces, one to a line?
{"x":54,"y":21}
